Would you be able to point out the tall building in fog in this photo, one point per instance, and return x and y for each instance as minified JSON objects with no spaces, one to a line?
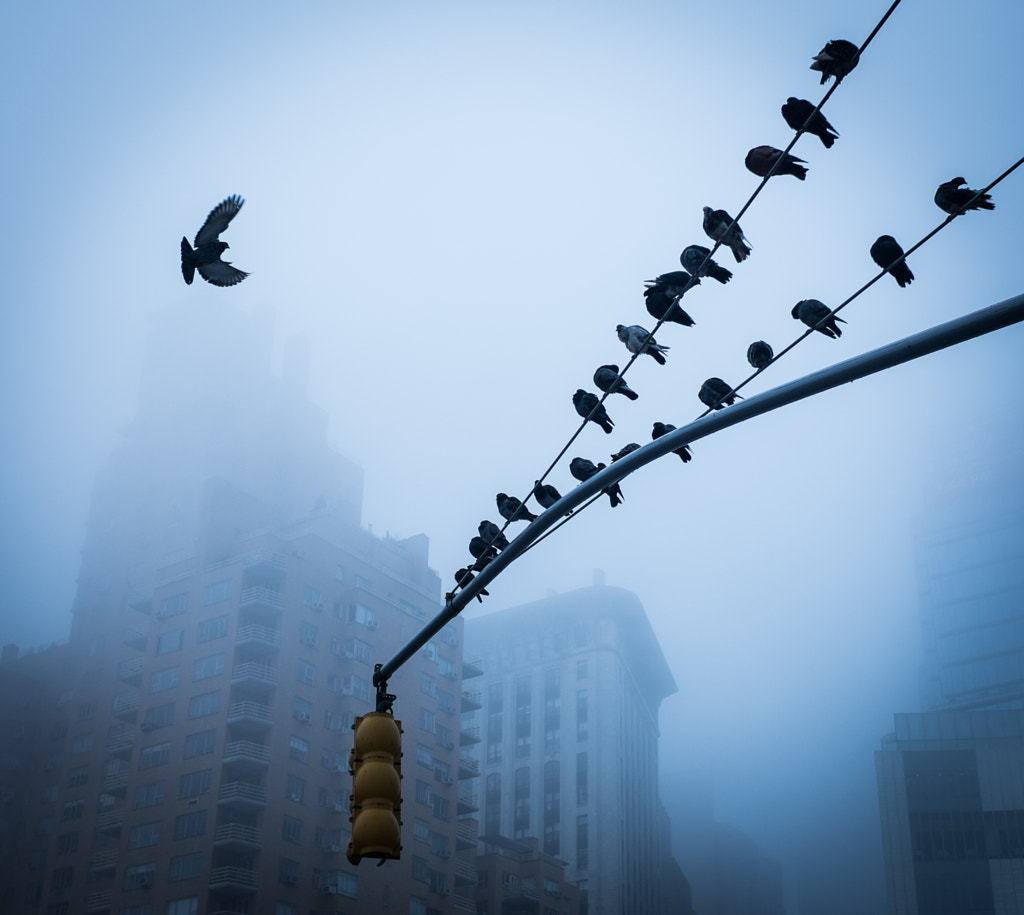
{"x":569,"y":752}
{"x":186,"y":752}
{"x":951,"y":779}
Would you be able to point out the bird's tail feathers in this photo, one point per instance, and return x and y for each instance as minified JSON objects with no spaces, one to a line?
{"x":188,"y":265}
{"x":629,"y":392}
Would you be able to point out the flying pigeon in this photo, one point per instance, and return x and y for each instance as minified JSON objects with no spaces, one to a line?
{"x":759,"y":354}
{"x":716,"y":394}
{"x":638,"y":340}
{"x":719,"y":225}
{"x":836,"y":59}
{"x":661,"y":299}
{"x":583,"y":469}
{"x":661,"y":429}
{"x":885,"y":252}
{"x":546,"y":494}
{"x":463,"y":577}
{"x":511,"y":509}
{"x":761,"y":159}
{"x":692,"y":258}
{"x":607,"y":379}
{"x":812,"y":313}
{"x":624,"y":450}
{"x":952,"y":198}
{"x":205,"y":257}
{"x":796,"y":111}
{"x":589,"y":406}
{"x":492,"y":534}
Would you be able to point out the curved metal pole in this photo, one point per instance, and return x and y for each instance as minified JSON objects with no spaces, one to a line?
{"x":976,"y":324}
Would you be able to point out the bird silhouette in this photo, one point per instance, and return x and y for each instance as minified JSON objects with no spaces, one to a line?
{"x":796,"y":111}
{"x":716,"y":394}
{"x":639,"y":340}
{"x":761,"y":159}
{"x":583,"y":469}
{"x":837,"y":59}
{"x":660,"y":429}
{"x":511,"y":509}
{"x":952,"y":198}
{"x":885,"y":252}
{"x":205,"y":257}
{"x":492,"y":534}
{"x":759,"y":354}
{"x":607,"y":379}
{"x":818,"y":316}
{"x":589,"y":406}
{"x":462,"y":578}
{"x":693,"y":257}
{"x":624,"y":450}
{"x":719,"y":225}
{"x":545,"y":494}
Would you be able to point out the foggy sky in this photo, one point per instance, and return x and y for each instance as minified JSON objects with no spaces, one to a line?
{"x":456,"y":204}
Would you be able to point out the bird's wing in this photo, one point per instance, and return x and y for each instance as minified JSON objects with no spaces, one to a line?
{"x":221,"y":273}
{"x":218,"y":220}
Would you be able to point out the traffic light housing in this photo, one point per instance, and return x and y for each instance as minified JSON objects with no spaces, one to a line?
{"x":376,"y":799}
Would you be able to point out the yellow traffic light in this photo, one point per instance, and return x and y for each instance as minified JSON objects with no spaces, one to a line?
{"x":376,"y":800}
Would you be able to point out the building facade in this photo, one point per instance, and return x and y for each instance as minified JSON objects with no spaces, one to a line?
{"x":569,"y":751}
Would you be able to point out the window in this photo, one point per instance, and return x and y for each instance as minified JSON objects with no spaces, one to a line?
{"x":343,"y":884}
{"x":288,"y":871}
{"x":200,"y":744}
{"x":298,"y":749}
{"x":78,"y":776}
{"x":217,"y":592}
{"x":67,"y":843}
{"x":48,"y":795}
{"x":186,"y":906}
{"x":209,"y":666}
{"x":302,"y":709}
{"x":139,"y":876}
{"x":73,"y":810}
{"x":136,"y":910}
{"x":174,"y":605}
{"x":291,"y":831}
{"x":582,"y":791}
{"x":284,"y":908}
{"x":581,"y":715}
{"x":184,"y":867}
{"x":189,"y":825}
{"x":149,"y":795}
{"x":192,"y":784}
{"x":164,"y":679}
{"x":295,"y":788}
{"x":169,"y":641}
{"x":524,"y":722}
{"x":428,"y":684}
{"x":428,"y":720}
{"x":305,"y":672}
{"x":339,"y":573}
{"x":216,"y":628}
{"x":311,"y":597}
{"x":144,"y":835}
{"x":581,"y":669}
{"x":87,"y":710}
{"x":201,"y":706}
{"x":308,"y":634}
{"x":425,"y":756}
{"x":81,"y":744}
{"x":446,"y":668}
{"x":360,"y":613}
{"x":159,"y":716}
{"x":521,"y":812}
{"x":156,"y":755}
{"x":582,"y":843}
{"x":422,"y":792}
{"x":62,"y":878}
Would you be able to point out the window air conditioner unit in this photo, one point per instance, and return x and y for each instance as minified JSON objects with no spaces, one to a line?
{"x":304,"y":716}
{"x":446,"y":854}
{"x":336,"y":848}
{"x":371,"y":624}
{"x":445,"y":892}
{"x":146,"y":880}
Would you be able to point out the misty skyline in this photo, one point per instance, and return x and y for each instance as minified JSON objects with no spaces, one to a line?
{"x":455,"y":207}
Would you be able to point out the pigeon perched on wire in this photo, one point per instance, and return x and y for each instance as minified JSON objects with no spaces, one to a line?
{"x":761,"y":159}
{"x":511,"y":509}
{"x":492,"y":534}
{"x":813,"y":313}
{"x":624,"y":450}
{"x":796,"y":111}
{"x":638,"y":340}
{"x":462,"y":578}
{"x":719,"y":226}
{"x":589,"y":407}
{"x":694,"y":256}
{"x":482,"y":552}
{"x":660,"y":429}
{"x":661,"y":294}
{"x":607,"y":379}
{"x":837,"y":59}
{"x":205,"y":257}
{"x":716,"y":394}
{"x":759,"y":354}
{"x":885,"y":252}
{"x":583,"y":469}
{"x":952,"y":198}
{"x":545,"y":494}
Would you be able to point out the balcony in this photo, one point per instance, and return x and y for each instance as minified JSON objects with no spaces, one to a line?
{"x":467,"y":803}
{"x":103,"y":861}
{"x":237,"y":837}
{"x":463,"y":904}
{"x":254,"y":675}
{"x":242,"y":794}
{"x":233,"y":881}
{"x":256,"y":639}
{"x":135,"y":638}
{"x":110,"y":822}
{"x":121,"y":744}
{"x":140,"y":603}
{"x":474,"y":668}
{"x":127,"y":707}
{"x":469,"y":767}
{"x":264,"y":565}
{"x":246,"y":754}
{"x":131,"y":671}
{"x":465,"y":872}
{"x":469,"y":735}
{"x":99,"y":902}
{"x":260,"y":603}
{"x":116,"y":784}
{"x":472,"y":699}
{"x":251,"y":715}
{"x":466,"y":834}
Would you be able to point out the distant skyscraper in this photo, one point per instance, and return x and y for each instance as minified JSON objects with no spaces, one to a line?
{"x":951,"y":779}
{"x":569,"y":755}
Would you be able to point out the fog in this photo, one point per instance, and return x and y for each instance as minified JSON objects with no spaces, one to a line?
{"x":455,"y":205}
